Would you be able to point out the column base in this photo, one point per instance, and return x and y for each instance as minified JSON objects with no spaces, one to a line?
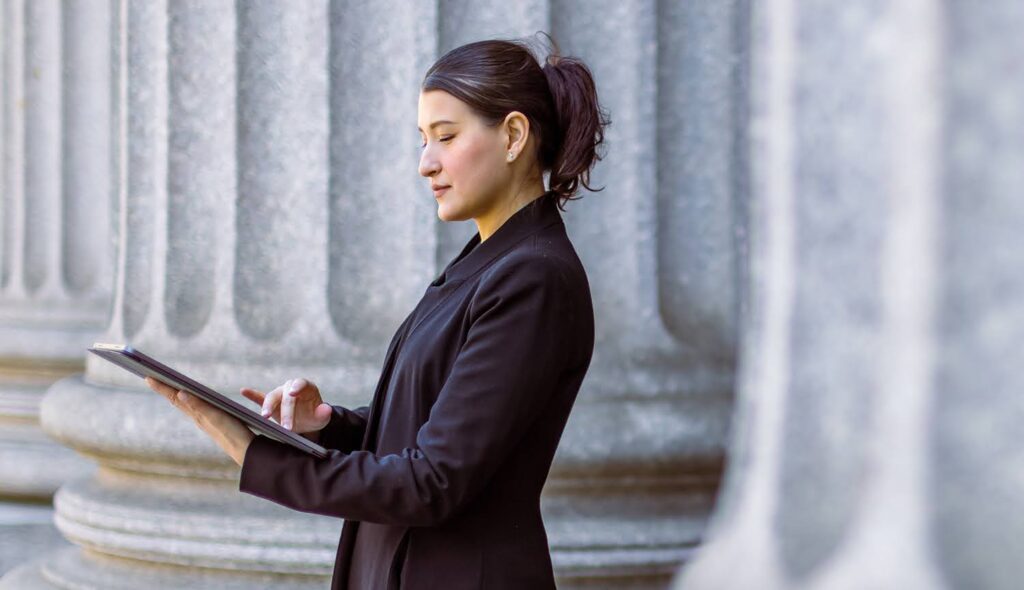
{"x":26,"y":532}
{"x":82,"y":569}
{"x":32,"y":465}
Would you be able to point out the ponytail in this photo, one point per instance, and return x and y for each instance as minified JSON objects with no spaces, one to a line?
{"x":581,"y":123}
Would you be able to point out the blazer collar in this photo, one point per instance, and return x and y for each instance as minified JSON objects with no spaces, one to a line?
{"x":535,"y":215}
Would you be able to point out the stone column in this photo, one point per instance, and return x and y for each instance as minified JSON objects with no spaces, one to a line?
{"x":878,"y":438}
{"x":56,"y":251}
{"x":265,"y":236}
{"x":637,"y":469}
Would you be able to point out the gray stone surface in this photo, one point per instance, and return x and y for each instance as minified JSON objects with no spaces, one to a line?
{"x":55,"y":246}
{"x":975,"y":460}
{"x":74,"y":568}
{"x":876,"y":441}
{"x":26,"y":532}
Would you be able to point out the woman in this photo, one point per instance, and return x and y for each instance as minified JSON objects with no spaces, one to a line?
{"x":439,"y":479}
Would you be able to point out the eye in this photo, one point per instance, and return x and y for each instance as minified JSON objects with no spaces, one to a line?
{"x":445,"y":138}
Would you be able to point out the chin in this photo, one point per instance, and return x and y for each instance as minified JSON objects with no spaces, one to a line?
{"x":445,"y":212}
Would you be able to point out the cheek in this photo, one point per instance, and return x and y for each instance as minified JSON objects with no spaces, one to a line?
{"x":471,"y":161}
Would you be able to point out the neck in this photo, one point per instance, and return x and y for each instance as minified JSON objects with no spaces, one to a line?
{"x":489,"y":222}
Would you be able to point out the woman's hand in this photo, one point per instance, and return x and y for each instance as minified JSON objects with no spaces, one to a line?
{"x":296,"y":405}
{"x":230,"y":433}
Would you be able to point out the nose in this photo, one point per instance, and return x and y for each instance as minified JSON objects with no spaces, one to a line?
{"x":429,"y":166}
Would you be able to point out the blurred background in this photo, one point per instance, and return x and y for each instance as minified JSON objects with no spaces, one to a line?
{"x":806,"y":266}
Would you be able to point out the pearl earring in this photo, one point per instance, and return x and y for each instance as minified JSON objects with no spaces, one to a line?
{"x":510,"y":155}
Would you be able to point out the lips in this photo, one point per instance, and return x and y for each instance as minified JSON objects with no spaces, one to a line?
{"x":438,"y":190}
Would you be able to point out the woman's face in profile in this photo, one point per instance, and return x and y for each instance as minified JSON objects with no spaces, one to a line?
{"x":459,"y":151}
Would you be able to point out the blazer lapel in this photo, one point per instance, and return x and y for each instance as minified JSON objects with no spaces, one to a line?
{"x":372,"y":418}
{"x":475,"y":256}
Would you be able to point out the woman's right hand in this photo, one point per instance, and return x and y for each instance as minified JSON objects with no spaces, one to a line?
{"x":296,"y":405}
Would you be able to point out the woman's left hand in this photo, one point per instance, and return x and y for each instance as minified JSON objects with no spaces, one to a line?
{"x":230,"y":433}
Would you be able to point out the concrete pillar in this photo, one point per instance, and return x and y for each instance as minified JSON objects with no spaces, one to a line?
{"x":56,"y":251}
{"x":877,"y":442}
{"x":638,"y":466}
{"x":260,"y":238}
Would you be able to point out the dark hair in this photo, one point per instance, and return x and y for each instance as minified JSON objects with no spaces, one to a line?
{"x":498,"y":76}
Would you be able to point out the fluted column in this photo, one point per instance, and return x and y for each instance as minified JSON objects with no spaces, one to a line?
{"x":634,"y":477}
{"x":878,"y":444}
{"x":261,"y":227}
{"x":56,"y":251}
{"x":55,"y":270}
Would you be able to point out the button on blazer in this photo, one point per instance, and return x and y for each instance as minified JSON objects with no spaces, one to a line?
{"x":439,"y":478}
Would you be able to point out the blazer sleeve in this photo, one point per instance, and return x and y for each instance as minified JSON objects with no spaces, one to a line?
{"x":504,"y":375}
{"x":344,"y":431}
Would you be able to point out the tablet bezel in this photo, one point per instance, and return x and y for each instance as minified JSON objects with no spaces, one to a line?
{"x":134,"y":361}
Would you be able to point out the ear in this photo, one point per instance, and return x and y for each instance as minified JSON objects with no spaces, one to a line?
{"x":517,"y":131}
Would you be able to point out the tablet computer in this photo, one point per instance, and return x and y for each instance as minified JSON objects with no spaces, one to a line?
{"x":131,"y":359}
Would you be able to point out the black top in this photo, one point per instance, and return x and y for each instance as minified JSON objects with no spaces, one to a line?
{"x":441,"y":474}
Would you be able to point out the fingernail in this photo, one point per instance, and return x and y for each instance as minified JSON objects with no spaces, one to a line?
{"x":182,"y":396}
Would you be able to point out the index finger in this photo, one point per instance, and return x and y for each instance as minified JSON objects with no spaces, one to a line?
{"x":254,"y":395}
{"x":271,"y":401}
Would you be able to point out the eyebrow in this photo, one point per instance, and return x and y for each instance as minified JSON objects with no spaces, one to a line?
{"x":436,"y":123}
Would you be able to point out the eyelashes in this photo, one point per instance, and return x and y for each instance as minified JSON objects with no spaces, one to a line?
{"x":445,"y":138}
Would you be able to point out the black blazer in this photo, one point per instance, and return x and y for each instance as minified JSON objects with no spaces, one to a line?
{"x":439,"y":479}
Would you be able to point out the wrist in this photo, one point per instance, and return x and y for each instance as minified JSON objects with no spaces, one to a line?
{"x":241,"y":447}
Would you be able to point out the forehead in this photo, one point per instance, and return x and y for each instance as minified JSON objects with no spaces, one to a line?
{"x":437,"y":105}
